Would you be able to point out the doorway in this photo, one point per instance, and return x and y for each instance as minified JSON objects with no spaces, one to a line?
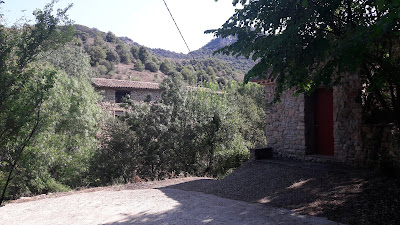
{"x":323,"y":122}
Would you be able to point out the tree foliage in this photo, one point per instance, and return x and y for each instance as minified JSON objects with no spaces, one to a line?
{"x":124,"y":54}
{"x":195,"y":131}
{"x":111,"y":37}
{"x":139,"y":66}
{"x":151,"y":66}
{"x":305,"y":44}
{"x":48,"y":109}
{"x":25,"y":84}
{"x":96,"y":54}
{"x":144,"y":54}
{"x":165,"y":67}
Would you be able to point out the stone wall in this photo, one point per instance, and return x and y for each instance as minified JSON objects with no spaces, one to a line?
{"x":290,"y":124}
{"x":347,"y":121}
{"x":108,"y":95}
{"x":136,"y":94}
{"x":140,"y":95}
{"x":290,"y":127}
{"x":285,"y":123}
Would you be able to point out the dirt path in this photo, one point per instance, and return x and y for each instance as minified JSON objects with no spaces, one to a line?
{"x":147,"y":206}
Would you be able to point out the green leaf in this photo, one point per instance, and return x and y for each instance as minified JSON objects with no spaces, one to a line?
{"x":304,"y":3}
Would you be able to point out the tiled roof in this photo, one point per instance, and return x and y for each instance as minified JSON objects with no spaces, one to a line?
{"x":113,"y":83}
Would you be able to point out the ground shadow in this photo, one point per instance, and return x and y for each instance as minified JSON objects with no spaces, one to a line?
{"x":199,"y":208}
{"x":344,"y":195}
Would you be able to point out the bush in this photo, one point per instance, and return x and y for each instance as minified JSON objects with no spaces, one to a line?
{"x":165,"y":67}
{"x":110,"y":37}
{"x":124,"y":55}
{"x":96,"y":54}
{"x":139,"y":66}
{"x":102,"y":69}
{"x":116,"y":160}
{"x":112,"y":56}
{"x":151,"y":66}
{"x":144,"y":54}
{"x":135,"y":51}
{"x":197,"y":132}
{"x":109,"y":65}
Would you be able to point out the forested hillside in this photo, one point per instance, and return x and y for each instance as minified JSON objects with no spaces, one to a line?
{"x":241,"y":64}
{"x":122,"y":58}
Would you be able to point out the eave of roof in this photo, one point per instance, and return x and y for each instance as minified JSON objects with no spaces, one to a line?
{"x":114,"y":83}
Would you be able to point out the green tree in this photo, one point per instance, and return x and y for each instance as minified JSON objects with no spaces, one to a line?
{"x":166,"y":67}
{"x":124,"y":54}
{"x":99,"y":41}
{"x":135,"y":52}
{"x":211,"y":73}
{"x":112,"y":56}
{"x":96,"y":54}
{"x":144,"y":54}
{"x":25,"y":84}
{"x":151,"y":66}
{"x":71,"y":59}
{"x":139,"y":66}
{"x":187,"y":72}
{"x":305,"y":44}
{"x":58,"y":157}
{"x":108,"y":65}
{"x":110,"y":37}
{"x":192,"y":130}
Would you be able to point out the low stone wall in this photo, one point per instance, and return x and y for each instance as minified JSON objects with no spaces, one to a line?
{"x":381,"y":143}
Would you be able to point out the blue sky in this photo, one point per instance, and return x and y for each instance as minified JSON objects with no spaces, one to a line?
{"x":144,"y":21}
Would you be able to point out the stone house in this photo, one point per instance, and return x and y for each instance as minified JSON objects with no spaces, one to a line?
{"x":326,"y":126}
{"x":113,"y":91}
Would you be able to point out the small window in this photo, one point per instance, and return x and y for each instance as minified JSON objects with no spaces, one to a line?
{"x":118,"y":113}
{"x":147,"y":99}
{"x":119,"y":95}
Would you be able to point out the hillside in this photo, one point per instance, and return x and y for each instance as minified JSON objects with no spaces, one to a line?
{"x":240,"y":64}
{"x":122,"y":58}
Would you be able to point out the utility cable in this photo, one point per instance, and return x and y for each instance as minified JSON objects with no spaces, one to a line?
{"x":177,"y":26}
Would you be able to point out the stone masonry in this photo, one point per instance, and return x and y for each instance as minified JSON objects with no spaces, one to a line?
{"x":285,"y":123}
{"x":290,"y":124}
{"x":138,"y":91}
{"x":138,"y":95}
{"x":347,"y":122}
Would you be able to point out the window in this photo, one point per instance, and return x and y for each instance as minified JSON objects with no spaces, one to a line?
{"x":118,"y":113}
{"x":119,"y":95}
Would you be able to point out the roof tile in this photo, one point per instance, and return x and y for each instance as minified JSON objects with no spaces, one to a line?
{"x":113,"y":83}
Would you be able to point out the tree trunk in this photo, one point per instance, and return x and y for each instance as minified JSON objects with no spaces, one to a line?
{"x":20,"y":151}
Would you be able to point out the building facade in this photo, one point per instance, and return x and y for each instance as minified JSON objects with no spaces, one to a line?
{"x":326,"y":126}
{"x":114,"y":91}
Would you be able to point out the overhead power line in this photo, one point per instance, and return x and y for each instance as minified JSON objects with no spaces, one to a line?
{"x":176,"y":26}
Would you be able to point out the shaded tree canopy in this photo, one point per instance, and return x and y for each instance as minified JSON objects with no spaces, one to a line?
{"x":308,"y":43}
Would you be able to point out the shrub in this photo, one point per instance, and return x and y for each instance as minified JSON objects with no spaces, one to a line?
{"x":151,"y":66}
{"x":191,"y":131}
{"x":139,"y":66}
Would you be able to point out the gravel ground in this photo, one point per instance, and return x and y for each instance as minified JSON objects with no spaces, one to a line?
{"x":147,"y":206}
{"x":345,"y":195}
{"x":340,"y":194}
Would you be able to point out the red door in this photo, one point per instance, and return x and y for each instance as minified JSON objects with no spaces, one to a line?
{"x":324,"y":122}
